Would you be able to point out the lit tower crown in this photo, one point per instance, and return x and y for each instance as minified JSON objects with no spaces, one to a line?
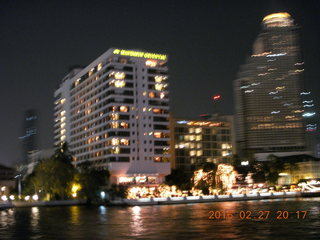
{"x":282,"y":19}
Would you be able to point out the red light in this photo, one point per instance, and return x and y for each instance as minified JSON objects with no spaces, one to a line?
{"x":216,"y":97}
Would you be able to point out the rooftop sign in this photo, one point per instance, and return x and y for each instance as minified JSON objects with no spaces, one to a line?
{"x":131,"y":53}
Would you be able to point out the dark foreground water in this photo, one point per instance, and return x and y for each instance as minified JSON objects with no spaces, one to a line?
{"x":187,"y":221}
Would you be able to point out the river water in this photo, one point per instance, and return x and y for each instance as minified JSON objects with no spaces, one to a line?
{"x":279,"y":219}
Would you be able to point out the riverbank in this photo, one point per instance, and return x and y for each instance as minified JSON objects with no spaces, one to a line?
{"x":210,"y":198}
{"x":42,"y":203}
{"x":164,"y":201}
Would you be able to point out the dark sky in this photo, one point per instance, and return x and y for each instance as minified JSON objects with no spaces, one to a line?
{"x":206,"y":41}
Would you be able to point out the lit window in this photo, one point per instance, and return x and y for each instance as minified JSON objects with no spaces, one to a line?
{"x":124,"y":141}
{"x":157,"y":159}
{"x":124,"y":125}
{"x":144,"y":109}
{"x":91,"y":72}
{"x":225,"y":146}
{"x":151,"y":95}
{"x":156,"y":110}
{"x":124,"y":109}
{"x":199,"y":153}
{"x":119,"y":83}
{"x":198,"y":138}
{"x":198,"y":130}
{"x":114,"y":116}
{"x":162,"y":95}
{"x":159,"y":86}
{"x":192,"y":153}
{"x":63,"y":119}
{"x":115,"y":150}
{"x":77,"y":82}
{"x":114,"y":124}
{"x":63,"y":113}
{"x":62,"y":101}
{"x":159,"y":79}
{"x":99,"y":66}
{"x":157,"y":134}
{"x":151,"y":63}
{"x":115,"y":141}
{"x":119,"y":75}
{"x":191,"y":130}
{"x":192,"y":138}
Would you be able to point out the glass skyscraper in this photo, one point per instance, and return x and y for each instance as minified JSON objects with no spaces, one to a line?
{"x":269,"y":110}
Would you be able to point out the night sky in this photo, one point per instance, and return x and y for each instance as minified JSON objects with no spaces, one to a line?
{"x":206,"y":41}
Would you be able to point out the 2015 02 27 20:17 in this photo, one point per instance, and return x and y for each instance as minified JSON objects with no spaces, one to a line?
{"x":262,"y":214}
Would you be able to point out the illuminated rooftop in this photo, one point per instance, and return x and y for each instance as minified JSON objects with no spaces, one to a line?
{"x":281,"y":19}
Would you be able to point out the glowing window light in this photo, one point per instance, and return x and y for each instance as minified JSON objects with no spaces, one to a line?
{"x":124,"y":109}
{"x":99,"y":66}
{"x":159,"y":86}
{"x":157,"y":134}
{"x":216,"y":97}
{"x":124,"y":141}
{"x":308,"y":114}
{"x":275,"y":112}
{"x":119,"y":75}
{"x":115,"y":141}
{"x":119,"y":83}
{"x":151,"y":63}
{"x":114,"y":116}
{"x":308,"y":105}
{"x":152,"y":95}
{"x":244,"y":163}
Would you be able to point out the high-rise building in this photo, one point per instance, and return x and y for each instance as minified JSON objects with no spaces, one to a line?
{"x":267,"y":91}
{"x":194,"y":142}
{"x":114,"y":113}
{"x":29,"y":137}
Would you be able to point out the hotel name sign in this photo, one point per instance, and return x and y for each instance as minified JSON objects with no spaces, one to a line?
{"x":131,"y":53}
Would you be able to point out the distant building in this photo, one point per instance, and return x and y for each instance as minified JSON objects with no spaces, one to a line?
{"x":29,"y":137}
{"x":269,"y":110}
{"x":198,"y":141}
{"x":307,"y":168}
{"x":35,"y":157}
{"x":114,"y":113}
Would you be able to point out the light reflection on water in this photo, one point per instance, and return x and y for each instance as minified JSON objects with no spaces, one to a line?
{"x":184,"y":221}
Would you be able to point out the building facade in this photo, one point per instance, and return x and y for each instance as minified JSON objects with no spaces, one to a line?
{"x":29,"y":137}
{"x":114,"y":113}
{"x":269,"y":110}
{"x":198,"y":141}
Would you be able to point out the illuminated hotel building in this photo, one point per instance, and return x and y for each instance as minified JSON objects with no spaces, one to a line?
{"x":194,"y":142}
{"x":269,"y":110}
{"x":114,"y":114}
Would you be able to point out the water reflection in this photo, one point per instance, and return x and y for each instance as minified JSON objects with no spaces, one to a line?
{"x":185,"y":221}
{"x":34,"y":218}
{"x":136,"y":223}
{"x":74,"y":210}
